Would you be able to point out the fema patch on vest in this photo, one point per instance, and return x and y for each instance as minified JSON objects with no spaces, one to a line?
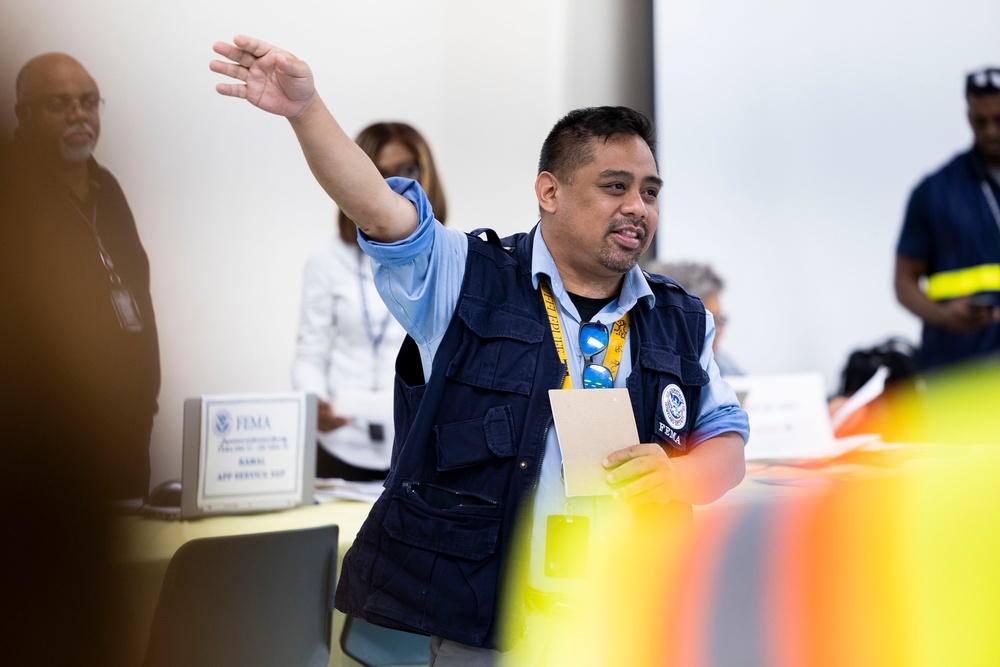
{"x":674,"y":407}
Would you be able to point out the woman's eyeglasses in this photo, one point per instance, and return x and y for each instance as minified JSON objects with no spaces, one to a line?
{"x":406,"y":170}
{"x":594,"y":338}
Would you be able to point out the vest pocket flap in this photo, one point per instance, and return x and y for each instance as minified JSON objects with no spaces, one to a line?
{"x":490,"y":321}
{"x":460,"y":444}
{"x":498,"y":350}
{"x":446,"y":531}
{"x":662,"y":360}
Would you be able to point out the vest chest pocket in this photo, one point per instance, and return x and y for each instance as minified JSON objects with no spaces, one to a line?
{"x":499,"y":348}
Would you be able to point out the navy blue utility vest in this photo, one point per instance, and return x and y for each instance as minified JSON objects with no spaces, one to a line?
{"x":430,"y":556}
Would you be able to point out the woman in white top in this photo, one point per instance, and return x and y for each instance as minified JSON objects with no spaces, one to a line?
{"x":347,"y":340}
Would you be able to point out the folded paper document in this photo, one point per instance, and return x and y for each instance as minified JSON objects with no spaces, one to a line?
{"x":789,"y":418}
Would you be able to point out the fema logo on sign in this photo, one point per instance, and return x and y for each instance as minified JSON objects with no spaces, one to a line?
{"x":223,"y":422}
{"x":674,"y":406}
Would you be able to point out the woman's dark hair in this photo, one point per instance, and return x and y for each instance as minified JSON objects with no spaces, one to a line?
{"x":372,"y":139}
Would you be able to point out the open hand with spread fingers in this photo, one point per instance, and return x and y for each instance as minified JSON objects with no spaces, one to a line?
{"x":272,"y":79}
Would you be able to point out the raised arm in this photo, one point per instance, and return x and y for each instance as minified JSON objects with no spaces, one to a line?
{"x":278,"y":82}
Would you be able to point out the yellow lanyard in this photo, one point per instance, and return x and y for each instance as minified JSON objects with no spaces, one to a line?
{"x":616,"y":345}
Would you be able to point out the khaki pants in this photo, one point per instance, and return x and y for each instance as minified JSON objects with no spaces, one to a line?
{"x":549,"y":623}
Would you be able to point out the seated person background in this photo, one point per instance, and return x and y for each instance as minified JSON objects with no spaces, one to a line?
{"x":902,"y":380}
{"x":701,"y":281}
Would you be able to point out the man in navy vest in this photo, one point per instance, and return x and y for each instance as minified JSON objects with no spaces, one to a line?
{"x":495,"y":325}
{"x":948,"y":253}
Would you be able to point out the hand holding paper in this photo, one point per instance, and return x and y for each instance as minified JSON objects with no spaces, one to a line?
{"x":641,"y":474}
{"x":591,"y":424}
{"x":598,"y":438}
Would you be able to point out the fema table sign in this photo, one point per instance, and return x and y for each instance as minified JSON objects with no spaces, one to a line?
{"x":248,"y":453}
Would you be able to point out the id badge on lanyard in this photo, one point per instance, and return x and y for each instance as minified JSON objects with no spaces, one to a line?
{"x":127,"y":310}
{"x":567,"y":545}
{"x":567,"y":536}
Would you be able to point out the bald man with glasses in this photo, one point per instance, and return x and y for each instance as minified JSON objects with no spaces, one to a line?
{"x":79,"y":345}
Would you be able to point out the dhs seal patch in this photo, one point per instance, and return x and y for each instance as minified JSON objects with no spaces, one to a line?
{"x":674,"y":407}
{"x":222,"y":423}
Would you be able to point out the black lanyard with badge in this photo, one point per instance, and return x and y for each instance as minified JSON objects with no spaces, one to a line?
{"x":567,"y":536}
{"x":127,"y":310}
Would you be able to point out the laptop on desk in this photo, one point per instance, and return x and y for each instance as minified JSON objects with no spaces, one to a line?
{"x":243,"y":454}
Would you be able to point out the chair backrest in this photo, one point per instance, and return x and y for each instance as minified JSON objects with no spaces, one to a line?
{"x":261,"y":599}
{"x":375,"y":646}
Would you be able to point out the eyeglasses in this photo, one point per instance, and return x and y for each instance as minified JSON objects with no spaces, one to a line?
{"x":594,"y":338}
{"x":406,"y":170}
{"x":58,"y":104}
{"x":986,"y":80}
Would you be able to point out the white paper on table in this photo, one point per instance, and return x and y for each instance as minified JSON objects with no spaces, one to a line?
{"x":365,"y":408}
{"x":334,"y":488}
{"x":789,"y":418}
{"x":867,"y":393}
{"x":591,"y":423}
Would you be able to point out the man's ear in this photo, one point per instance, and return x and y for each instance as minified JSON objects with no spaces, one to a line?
{"x":546,"y":189}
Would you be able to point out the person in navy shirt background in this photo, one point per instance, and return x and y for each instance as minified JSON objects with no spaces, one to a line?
{"x":948,"y":255}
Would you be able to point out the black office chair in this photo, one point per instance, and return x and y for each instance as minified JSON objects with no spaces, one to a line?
{"x":375,"y":646}
{"x":264,"y":599}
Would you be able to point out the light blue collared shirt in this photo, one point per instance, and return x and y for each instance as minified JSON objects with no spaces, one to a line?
{"x":420,"y":280}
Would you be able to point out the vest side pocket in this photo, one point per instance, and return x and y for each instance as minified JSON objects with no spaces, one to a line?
{"x":437,"y":562}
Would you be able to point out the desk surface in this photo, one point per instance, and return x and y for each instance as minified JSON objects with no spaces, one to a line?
{"x":143,"y":539}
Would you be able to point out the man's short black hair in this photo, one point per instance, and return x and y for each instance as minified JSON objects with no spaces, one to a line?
{"x":567,"y":148}
{"x":985,"y":81}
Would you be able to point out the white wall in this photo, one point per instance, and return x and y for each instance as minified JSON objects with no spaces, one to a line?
{"x":225,"y":205}
{"x":791,"y":133}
